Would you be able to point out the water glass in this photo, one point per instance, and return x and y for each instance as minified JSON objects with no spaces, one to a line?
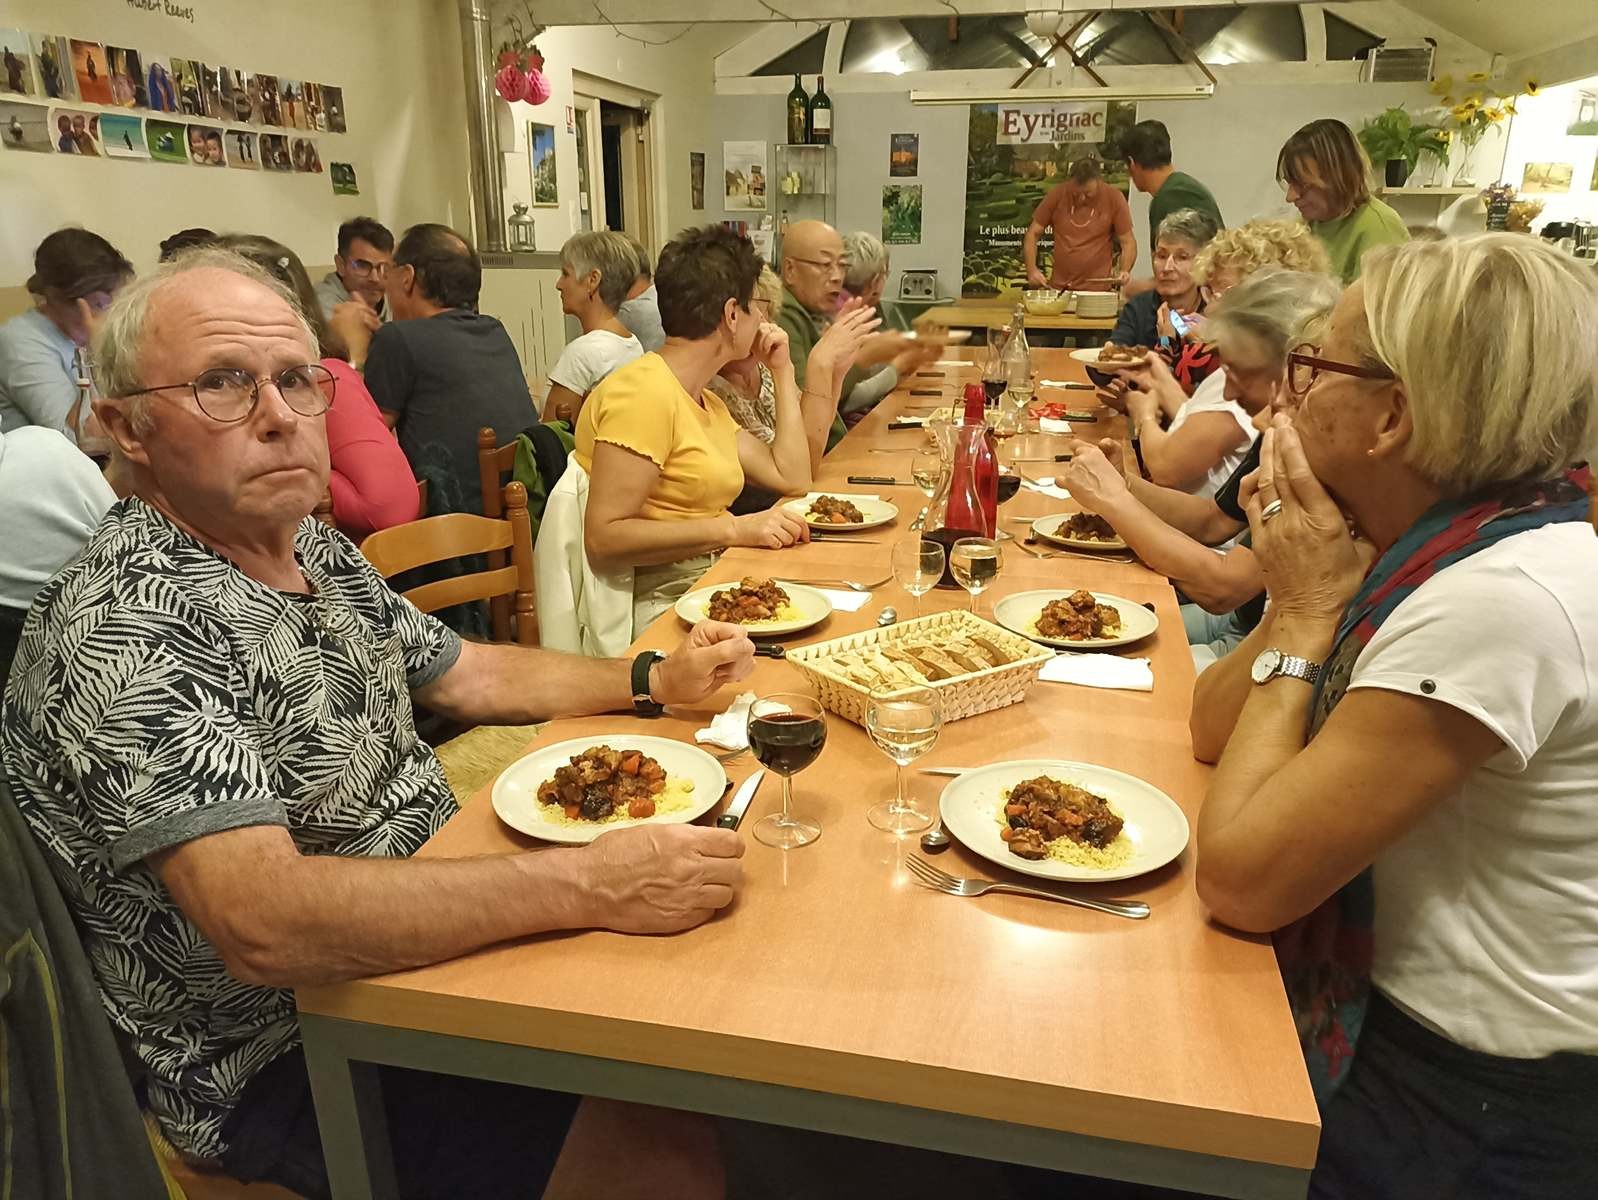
{"x":926,"y":468}
{"x":904,"y":724}
{"x":917,"y":566}
{"x":975,"y":564}
{"x":787,"y":731}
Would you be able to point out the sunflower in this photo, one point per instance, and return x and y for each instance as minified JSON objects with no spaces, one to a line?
{"x":1442,"y":85}
{"x":1478,"y":77}
{"x":1509,"y":107}
{"x":1495,"y":115}
{"x":1529,"y":87}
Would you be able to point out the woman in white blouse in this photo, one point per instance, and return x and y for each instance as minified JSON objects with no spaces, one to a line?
{"x":596,"y":271}
{"x":1408,"y":793}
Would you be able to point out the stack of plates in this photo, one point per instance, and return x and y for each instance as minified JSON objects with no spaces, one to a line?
{"x":1097,"y":304}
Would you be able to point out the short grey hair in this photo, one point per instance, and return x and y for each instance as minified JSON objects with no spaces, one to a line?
{"x":866,"y":258}
{"x":1491,"y":337}
{"x":1274,"y":309}
{"x":611,"y":254}
{"x":115,"y":351}
{"x":1188,"y":224}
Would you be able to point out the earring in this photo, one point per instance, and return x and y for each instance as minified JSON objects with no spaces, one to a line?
{"x":1371,"y":453}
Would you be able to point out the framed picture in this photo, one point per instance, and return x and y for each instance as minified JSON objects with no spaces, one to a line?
{"x":696,"y":180}
{"x":541,"y":154}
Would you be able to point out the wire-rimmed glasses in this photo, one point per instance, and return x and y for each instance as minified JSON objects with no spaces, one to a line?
{"x":227,"y":394}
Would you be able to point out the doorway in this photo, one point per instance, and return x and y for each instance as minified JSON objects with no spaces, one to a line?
{"x":616,"y":157}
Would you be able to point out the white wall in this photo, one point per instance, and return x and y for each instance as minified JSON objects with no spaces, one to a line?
{"x":398,"y":62}
{"x":1537,"y":135}
{"x":1230,"y":142}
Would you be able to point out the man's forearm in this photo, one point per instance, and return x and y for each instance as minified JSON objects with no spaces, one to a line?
{"x":498,"y":684}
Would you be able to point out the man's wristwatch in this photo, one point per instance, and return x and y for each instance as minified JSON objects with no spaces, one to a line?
{"x":1272,"y":663}
{"x":644,"y":704}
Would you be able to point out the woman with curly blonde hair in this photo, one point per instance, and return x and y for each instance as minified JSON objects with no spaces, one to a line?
{"x":1232,"y":255}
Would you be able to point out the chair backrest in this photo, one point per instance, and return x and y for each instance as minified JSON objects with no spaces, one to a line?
{"x":456,"y":535}
{"x":494,"y":462}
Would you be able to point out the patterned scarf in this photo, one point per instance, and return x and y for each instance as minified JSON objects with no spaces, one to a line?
{"x":1325,"y":957}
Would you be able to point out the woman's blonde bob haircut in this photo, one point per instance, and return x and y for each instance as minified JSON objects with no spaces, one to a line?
{"x":1492,"y":339}
{"x":1273,"y":310}
{"x":1262,"y":243}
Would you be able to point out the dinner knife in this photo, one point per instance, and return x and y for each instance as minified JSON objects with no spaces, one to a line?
{"x":944,"y":770}
{"x":740,"y":801}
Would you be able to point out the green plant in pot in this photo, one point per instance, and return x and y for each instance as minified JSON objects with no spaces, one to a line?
{"x":1395,"y":138}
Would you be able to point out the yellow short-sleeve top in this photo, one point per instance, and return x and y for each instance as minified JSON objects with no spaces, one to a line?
{"x":643,"y":408}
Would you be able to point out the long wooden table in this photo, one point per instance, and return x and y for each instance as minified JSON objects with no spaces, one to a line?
{"x":984,"y":314}
{"x":839,"y":995}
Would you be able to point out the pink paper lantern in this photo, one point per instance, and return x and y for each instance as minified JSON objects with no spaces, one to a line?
{"x":511,"y":84}
{"x":538,"y":89}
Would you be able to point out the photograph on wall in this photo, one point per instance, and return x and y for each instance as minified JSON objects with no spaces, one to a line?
{"x":25,"y":127}
{"x":1584,"y":115}
{"x":76,"y":132}
{"x":127,"y":77}
{"x":315,"y":113}
{"x":744,"y":166}
{"x":191,"y":94}
{"x":1546,"y":177}
{"x":541,"y":153}
{"x":238,"y":99}
{"x":307,"y":159}
{"x":333,"y":103}
{"x":696,"y":180}
{"x":904,"y":154}
{"x":344,"y":181}
{"x":275,"y":152}
{"x":205,"y":146}
{"x":901,"y":214}
{"x":243,"y":151}
{"x":167,"y":141}
{"x":1016,"y":155}
{"x":268,"y":109}
{"x":90,"y":70}
{"x":160,"y":91}
{"x":17,"y":70}
{"x":211,"y":86}
{"x":122,"y":136}
{"x":54,"y":57}
{"x":291,"y":103}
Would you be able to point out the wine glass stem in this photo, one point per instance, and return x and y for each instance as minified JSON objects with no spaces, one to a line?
{"x":973,"y":602}
{"x":787,"y":799}
{"x":898,"y":803}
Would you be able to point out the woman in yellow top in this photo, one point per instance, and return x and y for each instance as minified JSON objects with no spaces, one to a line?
{"x":664,"y":456}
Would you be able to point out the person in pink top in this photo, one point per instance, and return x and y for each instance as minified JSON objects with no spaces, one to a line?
{"x":371,"y":482}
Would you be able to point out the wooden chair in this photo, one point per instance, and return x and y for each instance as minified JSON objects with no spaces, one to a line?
{"x":194,"y":1181}
{"x":323,"y":511}
{"x":456,"y":535}
{"x":494,"y":462}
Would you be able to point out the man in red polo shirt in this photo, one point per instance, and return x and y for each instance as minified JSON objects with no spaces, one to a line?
{"x":1089,"y":219}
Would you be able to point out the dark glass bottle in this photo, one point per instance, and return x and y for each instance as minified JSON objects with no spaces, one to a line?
{"x":798,"y":113}
{"x":820,"y":115}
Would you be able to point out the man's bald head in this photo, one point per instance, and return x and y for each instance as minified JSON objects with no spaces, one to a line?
{"x":813,"y":264}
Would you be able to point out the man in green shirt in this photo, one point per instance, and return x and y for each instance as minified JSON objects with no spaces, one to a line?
{"x":1148,"y":150}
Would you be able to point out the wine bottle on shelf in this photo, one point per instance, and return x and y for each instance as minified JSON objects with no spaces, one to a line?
{"x":820,"y":115}
{"x":798,"y":113}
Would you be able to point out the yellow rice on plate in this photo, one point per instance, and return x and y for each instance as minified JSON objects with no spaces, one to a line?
{"x":677,"y":795}
{"x":1079,"y":854}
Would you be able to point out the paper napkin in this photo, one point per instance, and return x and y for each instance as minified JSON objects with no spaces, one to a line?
{"x":1099,"y":670}
{"x":1047,"y":487}
{"x":729,"y":730}
{"x":846,"y":601}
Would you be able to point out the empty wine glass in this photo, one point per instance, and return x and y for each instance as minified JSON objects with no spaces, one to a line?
{"x":787,"y":731}
{"x":917,"y":566}
{"x":926,"y":467}
{"x":975,"y":564}
{"x":904,"y":724}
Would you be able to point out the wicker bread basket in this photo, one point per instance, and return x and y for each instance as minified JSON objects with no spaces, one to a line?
{"x":962,"y":696}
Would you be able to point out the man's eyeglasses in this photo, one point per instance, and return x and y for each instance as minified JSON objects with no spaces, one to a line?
{"x":228,"y":395}
{"x":365,"y":266}
{"x":827,"y":266}
{"x":1303,"y":368}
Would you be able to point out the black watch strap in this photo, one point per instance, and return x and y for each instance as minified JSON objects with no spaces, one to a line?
{"x":643,"y":704}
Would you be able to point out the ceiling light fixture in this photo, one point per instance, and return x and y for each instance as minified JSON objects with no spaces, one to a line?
{"x":1203,"y":91}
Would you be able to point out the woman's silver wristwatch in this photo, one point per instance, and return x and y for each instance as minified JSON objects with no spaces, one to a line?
{"x":1272,"y":663}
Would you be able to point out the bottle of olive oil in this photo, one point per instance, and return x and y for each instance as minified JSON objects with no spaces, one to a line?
{"x":798,"y":113}
{"x":820,"y":115}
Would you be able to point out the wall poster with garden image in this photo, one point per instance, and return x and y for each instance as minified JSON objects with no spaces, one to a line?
{"x":901,"y":214}
{"x":1017,"y":153}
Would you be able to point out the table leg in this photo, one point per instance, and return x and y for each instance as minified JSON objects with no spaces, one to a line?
{"x":349,"y":1112}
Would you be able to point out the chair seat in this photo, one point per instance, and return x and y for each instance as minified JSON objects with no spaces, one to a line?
{"x":199,"y":1181}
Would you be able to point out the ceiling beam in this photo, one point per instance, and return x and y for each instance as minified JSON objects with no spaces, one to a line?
{"x":647,"y":12}
{"x":1579,"y":60}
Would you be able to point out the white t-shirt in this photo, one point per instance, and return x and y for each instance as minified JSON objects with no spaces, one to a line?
{"x":589,"y":358}
{"x":1210,"y":396}
{"x":1487,"y":911}
{"x":53,"y":497}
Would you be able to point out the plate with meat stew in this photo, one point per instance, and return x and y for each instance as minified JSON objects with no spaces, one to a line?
{"x":1080,"y":531}
{"x":842,"y":511}
{"x":575,"y":790}
{"x":762,"y":606}
{"x":1069,"y":821}
{"x":1076,"y":620}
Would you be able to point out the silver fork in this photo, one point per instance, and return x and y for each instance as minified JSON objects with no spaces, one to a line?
{"x":942,"y":881}
{"x":851,"y":584}
{"x":1061,"y":552}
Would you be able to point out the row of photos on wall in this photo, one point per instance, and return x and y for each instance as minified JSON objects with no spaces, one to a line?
{"x":43,"y":77}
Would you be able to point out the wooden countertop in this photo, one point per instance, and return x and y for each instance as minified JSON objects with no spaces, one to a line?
{"x":975,"y":314}
{"x":834,"y":972}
